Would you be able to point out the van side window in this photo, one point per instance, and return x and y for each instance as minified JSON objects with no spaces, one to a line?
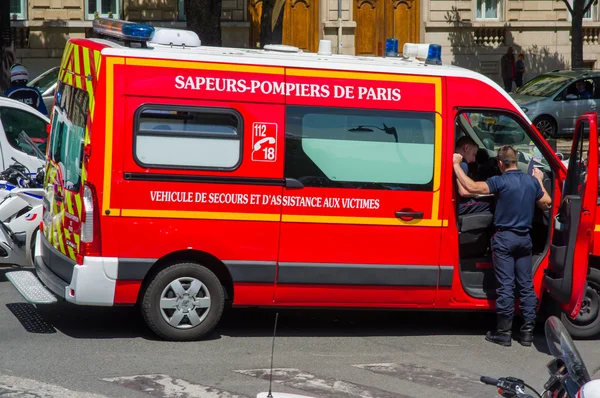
{"x":360,"y":148}
{"x":15,"y":120}
{"x":68,"y":133}
{"x":188,"y":138}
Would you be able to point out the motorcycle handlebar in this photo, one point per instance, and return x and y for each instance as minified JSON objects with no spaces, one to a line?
{"x":489,"y":380}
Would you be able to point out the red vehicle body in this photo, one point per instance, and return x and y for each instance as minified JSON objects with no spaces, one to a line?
{"x":263,"y":178}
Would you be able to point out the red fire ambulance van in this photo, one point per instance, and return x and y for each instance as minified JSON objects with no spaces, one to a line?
{"x":181,"y":178}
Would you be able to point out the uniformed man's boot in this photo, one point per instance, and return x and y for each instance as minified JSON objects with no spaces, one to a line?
{"x":526,"y":337}
{"x":503,"y":333}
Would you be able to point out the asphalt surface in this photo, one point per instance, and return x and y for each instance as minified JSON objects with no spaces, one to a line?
{"x":67,"y":351}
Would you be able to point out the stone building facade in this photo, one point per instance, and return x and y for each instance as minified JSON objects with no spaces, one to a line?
{"x":473,"y":33}
{"x":476,"y":33}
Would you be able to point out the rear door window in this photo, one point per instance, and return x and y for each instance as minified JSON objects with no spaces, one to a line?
{"x":68,"y":133}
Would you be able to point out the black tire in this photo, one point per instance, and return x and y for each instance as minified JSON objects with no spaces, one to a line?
{"x":587,"y":323}
{"x":153,"y":314}
{"x":547,"y":126}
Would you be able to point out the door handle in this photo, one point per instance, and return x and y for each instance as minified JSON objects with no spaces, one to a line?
{"x":408,"y":214}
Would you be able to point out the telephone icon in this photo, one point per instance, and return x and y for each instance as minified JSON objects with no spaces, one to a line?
{"x":259,"y":143}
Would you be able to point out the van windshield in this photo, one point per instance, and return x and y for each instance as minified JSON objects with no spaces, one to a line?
{"x":544,"y":85}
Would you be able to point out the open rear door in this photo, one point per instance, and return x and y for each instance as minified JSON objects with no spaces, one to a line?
{"x":566,"y":275}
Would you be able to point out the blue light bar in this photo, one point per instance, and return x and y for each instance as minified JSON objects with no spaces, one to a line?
{"x":434,"y":54}
{"x":123,"y":30}
{"x":391,"y":47}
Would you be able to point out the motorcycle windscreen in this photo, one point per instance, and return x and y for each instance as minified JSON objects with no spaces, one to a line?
{"x":565,"y":277}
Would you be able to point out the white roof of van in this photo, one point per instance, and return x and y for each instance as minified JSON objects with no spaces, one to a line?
{"x":300,"y":59}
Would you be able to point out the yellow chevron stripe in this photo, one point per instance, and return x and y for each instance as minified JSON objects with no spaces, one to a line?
{"x":78,"y":198}
{"x":97,"y":59}
{"x":77,"y":60}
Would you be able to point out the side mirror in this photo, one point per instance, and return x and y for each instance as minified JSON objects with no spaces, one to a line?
{"x":570,"y":97}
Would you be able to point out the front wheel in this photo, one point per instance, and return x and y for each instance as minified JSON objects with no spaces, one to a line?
{"x":183,"y":302}
{"x":587,"y":323}
{"x":546,"y":126}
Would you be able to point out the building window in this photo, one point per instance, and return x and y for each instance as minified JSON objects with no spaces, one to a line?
{"x":359,"y":148}
{"x":488,"y":9}
{"x":18,"y":9}
{"x":188,"y":138}
{"x":103,"y":8}
{"x":590,"y":15}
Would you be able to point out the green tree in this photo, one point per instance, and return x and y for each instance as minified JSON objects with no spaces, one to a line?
{"x":577,"y":9}
{"x":204,"y":18}
{"x":271,"y":22}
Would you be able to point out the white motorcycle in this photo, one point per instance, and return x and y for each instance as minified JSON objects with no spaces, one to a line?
{"x":21,"y":207}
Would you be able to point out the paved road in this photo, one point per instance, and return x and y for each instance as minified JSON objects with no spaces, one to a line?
{"x":108,"y":352}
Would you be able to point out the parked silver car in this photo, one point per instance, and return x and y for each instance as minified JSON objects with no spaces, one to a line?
{"x":553,"y":101}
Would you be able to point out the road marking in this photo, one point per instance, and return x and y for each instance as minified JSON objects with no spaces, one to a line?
{"x":11,"y":386}
{"x":326,"y":387}
{"x":436,"y":378}
{"x":163,"y":386}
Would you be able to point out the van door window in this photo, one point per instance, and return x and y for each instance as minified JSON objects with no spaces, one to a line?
{"x":188,"y":138}
{"x":360,"y":148}
{"x":68,"y":133}
{"x":492,"y":130}
{"x":15,"y":120}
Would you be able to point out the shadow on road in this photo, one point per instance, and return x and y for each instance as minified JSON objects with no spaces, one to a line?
{"x":126,"y":322}
{"x":83,"y":322}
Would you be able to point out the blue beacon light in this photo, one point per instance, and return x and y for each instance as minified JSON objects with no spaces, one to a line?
{"x":434,"y":54}
{"x":391,"y":47}
{"x":123,"y":30}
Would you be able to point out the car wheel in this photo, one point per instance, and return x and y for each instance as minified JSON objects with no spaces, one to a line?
{"x":587,"y":323}
{"x":183,"y":302}
{"x":546,"y":126}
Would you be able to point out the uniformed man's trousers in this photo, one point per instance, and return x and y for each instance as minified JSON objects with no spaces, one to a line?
{"x":511,"y":254}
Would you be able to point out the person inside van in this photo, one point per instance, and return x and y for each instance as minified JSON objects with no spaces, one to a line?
{"x":468,"y":204}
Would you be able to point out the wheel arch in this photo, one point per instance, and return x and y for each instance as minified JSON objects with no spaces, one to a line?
{"x":192,"y":256}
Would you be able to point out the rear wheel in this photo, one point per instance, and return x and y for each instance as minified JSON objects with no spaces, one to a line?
{"x":587,"y":323}
{"x":183,"y":302}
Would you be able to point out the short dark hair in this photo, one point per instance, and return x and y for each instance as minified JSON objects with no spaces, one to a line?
{"x":507,"y":155}
{"x":522,"y":55}
{"x":466,"y":140}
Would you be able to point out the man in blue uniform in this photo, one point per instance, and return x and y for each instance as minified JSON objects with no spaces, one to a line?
{"x":516,"y":193}
{"x":21,"y":92}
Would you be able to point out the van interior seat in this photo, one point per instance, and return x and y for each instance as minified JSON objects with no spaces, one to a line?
{"x":475,"y":233}
{"x":475,"y":221}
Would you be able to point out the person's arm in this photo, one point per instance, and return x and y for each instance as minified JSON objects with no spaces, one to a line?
{"x":542,"y":199}
{"x":472,"y":187}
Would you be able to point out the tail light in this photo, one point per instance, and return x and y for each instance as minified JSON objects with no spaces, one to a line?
{"x":90,"y":223}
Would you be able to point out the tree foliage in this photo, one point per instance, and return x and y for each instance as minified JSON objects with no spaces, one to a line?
{"x":204,"y":18}
{"x":577,"y":9}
